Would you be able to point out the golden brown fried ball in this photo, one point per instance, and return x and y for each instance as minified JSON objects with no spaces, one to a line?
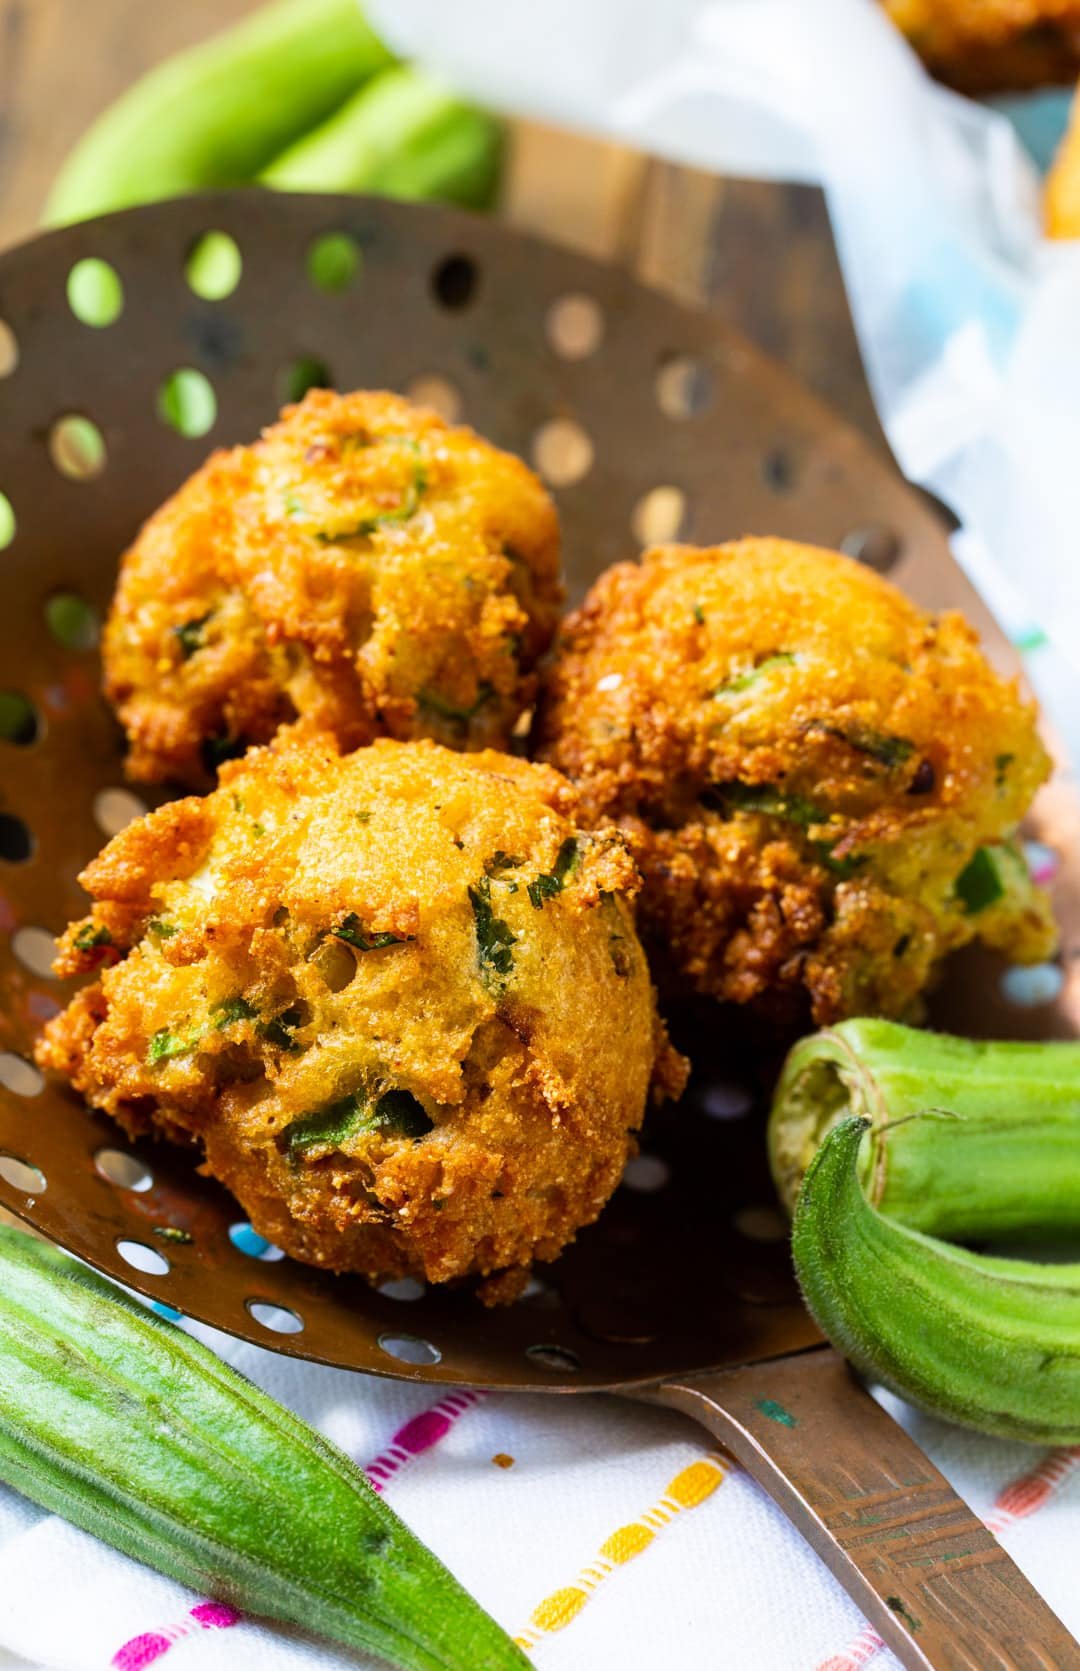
{"x":396,"y":998}
{"x":364,"y":567}
{"x":821,"y":781}
{"x":985,"y":46}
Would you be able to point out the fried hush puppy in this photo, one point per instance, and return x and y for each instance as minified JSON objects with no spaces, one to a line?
{"x":822,"y":783}
{"x":396,"y":999}
{"x":986,"y":46}
{"x":363,"y":567}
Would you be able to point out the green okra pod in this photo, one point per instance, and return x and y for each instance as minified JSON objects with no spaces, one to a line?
{"x":134,"y":1431}
{"x":217,"y":114}
{"x":991,"y":1343}
{"x":403,"y":135}
{"x":969,"y":1140}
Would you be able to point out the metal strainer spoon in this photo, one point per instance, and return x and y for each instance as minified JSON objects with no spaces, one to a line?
{"x":682,"y":1294}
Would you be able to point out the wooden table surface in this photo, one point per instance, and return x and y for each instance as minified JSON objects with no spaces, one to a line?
{"x":762,"y":255}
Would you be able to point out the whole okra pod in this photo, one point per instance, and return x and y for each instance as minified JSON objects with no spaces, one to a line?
{"x":218,"y":113}
{"x":968,"y":1140}
{"x":991,"y":1343}
{"x":134,"y":1431}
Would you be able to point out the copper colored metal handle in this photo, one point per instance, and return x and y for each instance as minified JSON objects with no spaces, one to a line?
{"x":935,"y":1584}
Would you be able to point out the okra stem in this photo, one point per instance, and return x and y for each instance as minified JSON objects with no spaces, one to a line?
{"x":991,"y":1343}
{"x":969,"y":1140}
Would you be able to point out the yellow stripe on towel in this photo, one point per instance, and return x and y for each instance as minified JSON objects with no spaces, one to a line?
{"x":689,"y":1488}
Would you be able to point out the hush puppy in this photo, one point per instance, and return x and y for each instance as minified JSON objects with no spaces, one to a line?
{"x":822,"y":783}
{"x":364,"y":567}
{"x":986,"y":46}
{"x":395,"y":999}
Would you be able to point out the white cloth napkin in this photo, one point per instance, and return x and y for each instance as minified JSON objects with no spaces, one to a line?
{"x":723,"y":1584}
{"x":967,"y":317}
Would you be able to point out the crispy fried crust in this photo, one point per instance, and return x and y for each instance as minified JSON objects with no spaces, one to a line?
{"x":396,"y":999}
{"x":985,"y":46}
{"x":364,"y":567}
{"x":806,"y":765}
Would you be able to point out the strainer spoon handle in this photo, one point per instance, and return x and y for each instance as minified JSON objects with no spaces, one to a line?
{"x":929,"y":1576}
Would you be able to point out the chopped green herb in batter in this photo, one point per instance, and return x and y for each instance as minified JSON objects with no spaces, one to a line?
{"x":355,"y":934}
{"x":191,"y":635}
{"x":231,"y":1011}
{"x":279,"y":1029}
{"x":92,"y":935}
{"x":436,"y":704}
{"x":743,"y":681}
{"x":980,"y":883}
{"x":495,"y":939}
{"x":764,"y":798}
{"x":553,"y":882}
{"x":396,"y":1113}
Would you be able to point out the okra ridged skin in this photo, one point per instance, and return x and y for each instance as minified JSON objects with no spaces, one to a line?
{"x":218,"y":114}
{"x":993,"y":1344}
{"x":135,"y":1432}
{"x":970,"y":1140}
{"x":403,"y":135}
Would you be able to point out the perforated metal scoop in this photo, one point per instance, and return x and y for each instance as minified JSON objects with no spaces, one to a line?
{"x":651,"y":421}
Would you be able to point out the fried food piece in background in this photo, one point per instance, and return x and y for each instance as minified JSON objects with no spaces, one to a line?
{"x":364,"y":567}
{"x":987,"y":46}
{"x":822,"y":783}
{"x":395,"y":998}
{"x":1062,"y":195}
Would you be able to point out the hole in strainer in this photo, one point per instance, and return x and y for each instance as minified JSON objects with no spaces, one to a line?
{"x":683,"y":386}
{"x":94,"y":292}
{"x":187,"y":403}
{"x":438,"y":393}
{"x":77,"y":447}
{"x":334,"y":261}
{"x":300,"y":376}
{"x":277,"y":1318}
{"x":214,"y":266}
{"x":72,"y":621}
{"x":1030,"y":985}
{"x":7,"y":522}
{"x":761,"y":1224}
{"x":16,"y":842}
{"x":877,"y":547}
{"x":22,"y":1175}
{"x":150,"y":1260}
{"x":19,"y":719}
{"x":246,"y":1239}
{"x":454,"y":282}
{"x":562,"y":452}
{"x":402,"y":1288}
{"x":409,"y":1348}
{"x":9,"y":349}
{"x":20,"y":1076}
{"x":35,"y":949}
{"x":575,"y":326}
{"x":778,"y":470}
{"x":115,"y":809}
{"x":646,"y":1174}
{"x":559,"y":1359}
{"x":726,"y":1102}
{"x":659,"y":516}
{"x":126,"y":1171}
